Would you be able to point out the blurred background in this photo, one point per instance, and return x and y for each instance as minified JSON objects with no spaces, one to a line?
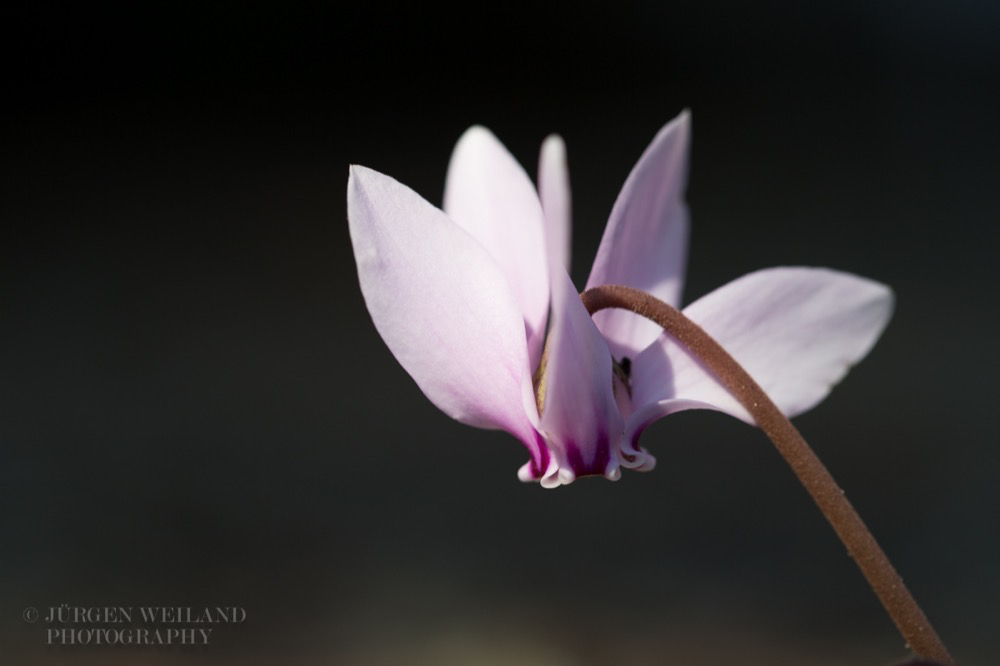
{"x":196,"y":410}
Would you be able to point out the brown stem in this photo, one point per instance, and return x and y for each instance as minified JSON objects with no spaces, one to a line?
{"x":888,"y":586}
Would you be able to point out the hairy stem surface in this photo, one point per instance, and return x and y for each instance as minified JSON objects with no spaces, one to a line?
{"x":888,"y":586}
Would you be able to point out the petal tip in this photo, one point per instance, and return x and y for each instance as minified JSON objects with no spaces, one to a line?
{"x":679,"y":129}
{"x":554,"y":147}
{"x":476,"y":134}
{"x":360,"y":176}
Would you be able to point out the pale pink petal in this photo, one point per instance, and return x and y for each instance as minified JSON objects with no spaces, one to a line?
{"x":580,"y":419}
{"x":489,"y":195}
{"x":553,"y":188}
{"x":796,"y":331}
{"x":443,"y":307}
{"x":645,"y":243}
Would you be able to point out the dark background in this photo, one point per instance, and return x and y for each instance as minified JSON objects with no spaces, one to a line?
{"x":195,"y":408}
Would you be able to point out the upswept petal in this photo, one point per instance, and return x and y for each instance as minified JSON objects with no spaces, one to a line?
{"x":645,"y":243}
{"x":553,"y":188}
{"x":796,"y":331}
{"x":489,"y":195}
{"x":580,"y":418}
{"x":443,"y":307}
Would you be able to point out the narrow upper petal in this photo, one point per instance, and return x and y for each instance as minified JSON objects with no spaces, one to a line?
{"x":553,"y":188}
{"x":645,"y":243}
{"x":795,"y":330}
{"x":580,"y":418}
{"x":443,"y":307}
{"x":489,"y":195}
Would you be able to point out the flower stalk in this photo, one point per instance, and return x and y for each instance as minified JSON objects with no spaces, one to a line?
{"x":861,"y":545}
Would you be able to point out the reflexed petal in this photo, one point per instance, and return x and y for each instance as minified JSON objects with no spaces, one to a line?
{"x":795,"y":330}
{"x":645,"y":243}
{"x":580,"y":418}
{"x":553,"y":187}
{"x":442,"y":306}
{"x":489,"y":195}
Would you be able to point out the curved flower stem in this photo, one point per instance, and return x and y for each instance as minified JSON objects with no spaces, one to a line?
{"x":888,"y":586}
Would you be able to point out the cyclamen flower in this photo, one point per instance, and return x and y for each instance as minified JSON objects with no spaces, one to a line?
{"x":464,"y":297}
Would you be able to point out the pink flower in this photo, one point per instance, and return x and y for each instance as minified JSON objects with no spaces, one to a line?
{"x":464,"y":297}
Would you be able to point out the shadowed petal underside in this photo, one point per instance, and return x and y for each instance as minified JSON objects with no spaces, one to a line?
{"x":645,"y":243}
